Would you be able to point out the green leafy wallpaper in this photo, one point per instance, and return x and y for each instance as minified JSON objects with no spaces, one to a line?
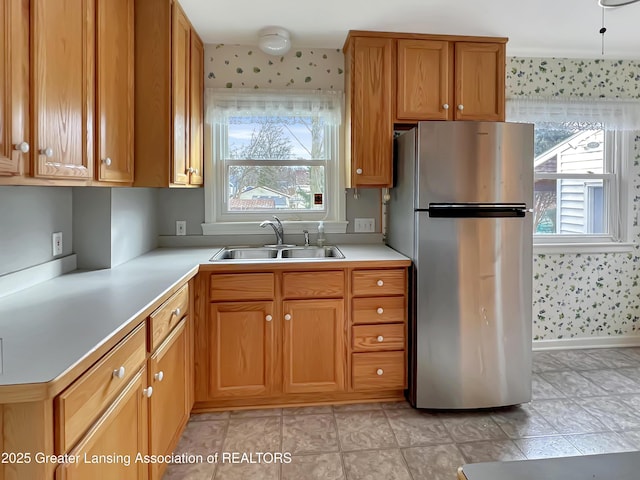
{"x":584,"y":295}
{"x":234,"y":66}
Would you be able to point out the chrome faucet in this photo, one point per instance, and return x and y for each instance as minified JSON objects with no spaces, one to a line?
{"x":277,"y":229}
{"x":306,"y":237}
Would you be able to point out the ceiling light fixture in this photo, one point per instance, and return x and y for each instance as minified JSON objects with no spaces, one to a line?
{"x":274,"y":40}
{"x":615,"y":3}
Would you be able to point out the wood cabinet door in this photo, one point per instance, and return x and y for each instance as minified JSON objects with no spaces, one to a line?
{"x":241,"y":340}
{"x":196,"y":135}
{"x":314,"y":348}
{"x":180,"y":42}
{"x":14,"y":87}
{"x":114,"y":96}
{"x":63,"y":85}
{"x":371,"y":95}
{"x":122,"y":431}
{"x":169,"y":404}
{"x":479,"y":81}
{"x":423,"y":79}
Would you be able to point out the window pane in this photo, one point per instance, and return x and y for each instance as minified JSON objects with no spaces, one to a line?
{"x":569,"y":207}
{"x":276,"y":188}
{"x":562,"y":148}
{"x":275,"y":138}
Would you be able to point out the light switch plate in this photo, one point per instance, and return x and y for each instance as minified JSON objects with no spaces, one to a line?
{"x":365,"y":225}
{"x":181,"y":227}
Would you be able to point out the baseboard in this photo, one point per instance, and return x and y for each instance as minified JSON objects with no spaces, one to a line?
{"x":16,"y":281}
{"x":587,"y":342}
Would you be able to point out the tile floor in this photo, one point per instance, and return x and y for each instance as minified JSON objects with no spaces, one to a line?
{"x":584,"y":402}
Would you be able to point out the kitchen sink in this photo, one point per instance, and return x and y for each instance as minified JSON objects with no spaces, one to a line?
{"x":312,"y":252}
{"x":264,"y":253}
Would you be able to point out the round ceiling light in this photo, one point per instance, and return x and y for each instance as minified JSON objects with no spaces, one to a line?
{"x":615,"y":3}
{"x":274,"y":41}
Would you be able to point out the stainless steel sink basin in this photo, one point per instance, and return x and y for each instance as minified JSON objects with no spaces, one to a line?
{"x":246,"y":253}
{"x":312,"y":252}
{"x":267,"y":253}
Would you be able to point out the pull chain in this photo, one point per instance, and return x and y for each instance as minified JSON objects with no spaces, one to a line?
{"x":603,"y":29}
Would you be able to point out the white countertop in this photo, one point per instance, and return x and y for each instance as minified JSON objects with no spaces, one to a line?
{"x":50,"y":327}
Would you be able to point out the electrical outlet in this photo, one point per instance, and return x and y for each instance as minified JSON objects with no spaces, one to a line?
{"x":56,"y":243}
{"x":365,"y":225}
{"x":181,"y":227}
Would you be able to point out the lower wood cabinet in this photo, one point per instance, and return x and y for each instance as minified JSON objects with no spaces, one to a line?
{"x":169,"y":406}
{"x":313,"y":353}
{"x":241,"y":354}
{"x":120,"y":434}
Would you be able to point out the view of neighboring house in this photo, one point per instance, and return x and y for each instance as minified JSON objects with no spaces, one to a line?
{"x":571,"y":205}
{"x":260,"y":197}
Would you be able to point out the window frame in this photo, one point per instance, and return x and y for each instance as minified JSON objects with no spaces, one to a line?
{"x":218,"y":221}
{"x":617,"y":195}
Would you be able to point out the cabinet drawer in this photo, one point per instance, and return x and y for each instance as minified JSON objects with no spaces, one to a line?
{"x":379,"y":282}
{"x":85,"y":400}
{"x":313,"y":284}
{"x":241,"y":286}
{"x":162,"y":321}
{"x":378,"y":310}
{"x":366,"y":338}
{"x":378,"y":371}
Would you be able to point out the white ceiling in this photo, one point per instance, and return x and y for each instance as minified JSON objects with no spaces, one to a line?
{"x":560,"y":28}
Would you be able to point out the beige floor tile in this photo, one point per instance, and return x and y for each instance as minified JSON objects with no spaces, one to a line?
{"x":261,"y":412}
{"x":307,"y":410}
{"x":595,"y":443}
{"x":326,"y":466}
{"x":356,"y":407}
{"x":206,"y":417}
{"x":546,"y":447}
{"x":376,"y":465}
{"x":309,"y":434}
{"x":364,"y":430}
{"x":520,"y":422}
{"x":247,"y":471}
{"x":414,"y":428}
{"x":202,"y":438}
{"x":196,"y":471}
{"x":491,"y":451}
{"x":438,"y":462}
{"x":252,"y":435}
{"x":469,"y":427}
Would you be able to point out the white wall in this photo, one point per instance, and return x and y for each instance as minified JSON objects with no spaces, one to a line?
{"x":28,"y":217}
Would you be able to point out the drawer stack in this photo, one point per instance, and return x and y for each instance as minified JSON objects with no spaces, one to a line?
{"x":378,"y":329}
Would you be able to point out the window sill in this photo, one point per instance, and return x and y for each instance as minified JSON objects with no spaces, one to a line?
{"x":603,"y":247}
{"x":253,"y":228}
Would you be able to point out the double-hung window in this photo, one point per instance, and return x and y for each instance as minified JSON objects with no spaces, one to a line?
{"x":273,"y":153}
{"x":581,"y":163}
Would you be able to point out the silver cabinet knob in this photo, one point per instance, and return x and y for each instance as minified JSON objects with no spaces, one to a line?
{"x":159,"y":376}
{"x":380,"y":338}
{"x":380,"y":283}
{"x":177,"y":312}
{"x":460,"y":107}
{"x":380,"y":311}
{"x":287,"y":317}
{"x":47,"y":152}
{"x":119,"y":372}
{"x":192,"y":170}
{"x":22,"y":147}
{"x":359,"y":171}
{"x":379,"y":371}
{"x":445,"y":106}
{"x":268,"y":318}
{"x":147,"y":392}
{"x":107,"y":161}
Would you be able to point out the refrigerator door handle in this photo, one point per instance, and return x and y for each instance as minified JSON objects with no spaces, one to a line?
{"x":477,"y":210}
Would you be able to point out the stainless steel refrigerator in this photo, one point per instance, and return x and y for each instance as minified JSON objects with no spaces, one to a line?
{"x":460,"y":210}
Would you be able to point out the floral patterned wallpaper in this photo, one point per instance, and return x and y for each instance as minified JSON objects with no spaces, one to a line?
{"x":234,"y":66}
{"x":577,"y":295}
{"x":584,"y":295}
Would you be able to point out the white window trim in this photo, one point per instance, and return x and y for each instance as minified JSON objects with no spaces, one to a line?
{"x":334,"y":218}
{"x":619,"y":115}
{"x":619,"y":241}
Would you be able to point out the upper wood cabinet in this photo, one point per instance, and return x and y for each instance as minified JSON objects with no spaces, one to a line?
{"x":114,"y":95}
{"x":480,"y":81}
{"x":14,"y":88}
{"x":168,"y":96}
{"x":448,"y":80}
{"x":63,"y":85}
{"x":424,"y":82}
{"x":370,"y":85}
{"x":405,"y":78}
